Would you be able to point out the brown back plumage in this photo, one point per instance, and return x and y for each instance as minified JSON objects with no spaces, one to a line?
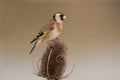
{"x":48,"y":26}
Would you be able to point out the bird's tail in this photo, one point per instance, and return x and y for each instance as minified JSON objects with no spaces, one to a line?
{"x":35,"y":45}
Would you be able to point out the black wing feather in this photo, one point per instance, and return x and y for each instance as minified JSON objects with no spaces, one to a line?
{"x":39,"y":34}
{"x":33,"y":47}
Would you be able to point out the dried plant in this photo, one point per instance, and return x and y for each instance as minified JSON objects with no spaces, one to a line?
{"x":53,"y":62}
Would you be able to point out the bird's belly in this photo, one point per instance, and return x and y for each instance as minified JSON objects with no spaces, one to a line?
{"x":54,"y":35}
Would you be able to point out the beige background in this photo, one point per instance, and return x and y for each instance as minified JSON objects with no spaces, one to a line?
{"x":91,"y":32}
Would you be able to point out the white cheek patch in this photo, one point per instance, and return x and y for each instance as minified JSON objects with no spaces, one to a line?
{"x":57,"y":17}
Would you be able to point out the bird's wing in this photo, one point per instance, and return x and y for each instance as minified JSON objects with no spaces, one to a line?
{"x":44,"y":30}
{"x":40,"y":34}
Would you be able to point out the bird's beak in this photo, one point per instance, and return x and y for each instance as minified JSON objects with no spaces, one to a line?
{"x":64,"y":17}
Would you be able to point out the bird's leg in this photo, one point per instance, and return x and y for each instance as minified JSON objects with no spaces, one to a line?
{"x":54,"y":39}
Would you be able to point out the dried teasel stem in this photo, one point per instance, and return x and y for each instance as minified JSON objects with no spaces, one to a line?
{"x":53,"y":62}
{"x":48,"y":76}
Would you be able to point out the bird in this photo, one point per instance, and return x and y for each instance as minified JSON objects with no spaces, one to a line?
{"x":50,"y":31}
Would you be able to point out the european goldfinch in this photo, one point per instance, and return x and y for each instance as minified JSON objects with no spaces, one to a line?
{"x":50,"y":31}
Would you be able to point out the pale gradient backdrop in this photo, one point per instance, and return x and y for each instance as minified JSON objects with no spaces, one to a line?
{"x":91,"y":33}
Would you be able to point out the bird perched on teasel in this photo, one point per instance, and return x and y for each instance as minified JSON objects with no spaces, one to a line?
{"x":50,"y":31}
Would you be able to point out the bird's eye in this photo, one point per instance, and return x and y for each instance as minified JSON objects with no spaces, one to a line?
{"x":61,"y":16}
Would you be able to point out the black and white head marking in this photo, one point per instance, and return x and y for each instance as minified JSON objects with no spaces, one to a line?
{"x":59,"y":17}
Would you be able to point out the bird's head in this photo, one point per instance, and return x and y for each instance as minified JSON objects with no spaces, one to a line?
{"x":59,"y":17}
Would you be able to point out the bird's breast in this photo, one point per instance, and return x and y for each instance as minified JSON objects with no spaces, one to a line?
{"x":54,"y":34}
{"x":57,"y":28}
